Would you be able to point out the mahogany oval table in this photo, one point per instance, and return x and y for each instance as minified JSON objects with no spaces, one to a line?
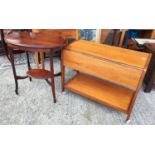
{"x":33,"y":42}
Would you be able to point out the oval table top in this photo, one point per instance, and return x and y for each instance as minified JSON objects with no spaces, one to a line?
{"x":34,"y":40}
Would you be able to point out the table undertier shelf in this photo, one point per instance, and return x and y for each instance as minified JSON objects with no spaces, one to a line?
{"x":39,"y":73}
{"x":101,"y":91}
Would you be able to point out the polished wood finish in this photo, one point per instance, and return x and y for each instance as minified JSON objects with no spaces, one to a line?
{"x":57,"y":33}
{"x":15,"y":51}
{"x":13,"y":69}
{"x":102,"y":68}
{"x":37,"y":59}
{"x":34,"y":40}
{"x":42,"y":60}
{"x":149,"y":79}
{"x":31,"y":42}
{"x":39,"y":73}
{"x":118,"y":55}
{"x":28,"y":63}
{"x":117,"y":73}
{"x":52,"y":76}
{"x":101,"y":91}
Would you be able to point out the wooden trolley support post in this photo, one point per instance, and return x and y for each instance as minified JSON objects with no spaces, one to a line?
{"x":109,"y":75}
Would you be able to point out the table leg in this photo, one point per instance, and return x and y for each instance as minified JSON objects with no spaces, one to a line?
{"x":42,"y":60}
{"x":13,"y":69}
{"x":52,"y":76}
{"x":28,"y":63}
{"x":62,"y":77}
{"x":37,"y":59}
{"x":59,"y":73}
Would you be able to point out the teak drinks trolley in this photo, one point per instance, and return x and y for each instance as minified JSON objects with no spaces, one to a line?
{"x":106,"y":74}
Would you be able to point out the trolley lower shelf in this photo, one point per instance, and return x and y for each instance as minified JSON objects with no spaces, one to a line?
{"x":101,"y":91}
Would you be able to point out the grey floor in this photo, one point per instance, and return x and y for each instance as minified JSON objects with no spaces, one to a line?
{"x":34,"y":104}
